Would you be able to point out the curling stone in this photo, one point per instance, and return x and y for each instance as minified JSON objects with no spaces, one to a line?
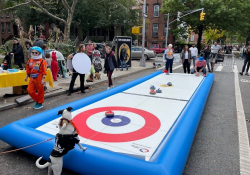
{"x":152,"y":87}
{"x":169,"y":84}
{"x":158,"y":90}
{"x":109,"y":113}
{"x":152,"y":91}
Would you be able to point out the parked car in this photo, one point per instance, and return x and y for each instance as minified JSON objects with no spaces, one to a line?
{"x":137,"y":52}
{"x":156,"y":48}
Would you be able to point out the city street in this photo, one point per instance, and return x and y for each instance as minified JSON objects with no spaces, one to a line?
{"x":215,"y":150}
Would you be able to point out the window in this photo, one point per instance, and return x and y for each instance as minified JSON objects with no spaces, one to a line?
{"x":146,"y":12}
{"x":7,"y":14}
{"x":192,"y":38}
{"x":165,"y":30}
{"x":8,"y":27}
{"x":155,"y":30}
{"x":138,"y":49}
{"x":156,"y":10}
{"x":133,"y":49}
{"x":2,"y":27}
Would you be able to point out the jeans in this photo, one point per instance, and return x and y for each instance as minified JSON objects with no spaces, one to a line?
{"x":198,"y":69}
{"x":109,"y":74}
{"x":186,"y":66}
{"x":123,"y":62}
{"x":246,"y":62}
{"x":207,"y":60}
{"x":169,"y":63}
{"x":242,"y":55}
{"x":193,"y":58}
{"x":73,"y":79}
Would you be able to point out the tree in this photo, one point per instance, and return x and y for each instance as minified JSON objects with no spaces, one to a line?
{"x":213,"y":35}
{"x":229,"y":15}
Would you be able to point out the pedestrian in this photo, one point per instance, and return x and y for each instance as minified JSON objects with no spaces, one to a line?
{"x":186,"y":59}
{"x":246,"y":62}
{"x":194,"y":53}
{"x":215,"y":49}
{"x":90,"y":48}
{"x":207,"y":52}
{"x":200,"y":66}
{"x":17,"y":51}
{"x":36,"y":69}
{"x":54,"y":66}
{"x":95,"y":47}
{"x":81,"y":49}
{"x":242,"y":51}
{"x":169,"y":58}
{"x":40,"y":43}
{"x":48,"y":60}
{"x":123,"y":57}
{"x":28,"y":45}
{"x":104,"y":50}
{"x":109,"y":65}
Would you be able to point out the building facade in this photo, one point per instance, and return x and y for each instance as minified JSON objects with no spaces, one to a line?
{"x":8,"y":28}
{"x":156,"y":25}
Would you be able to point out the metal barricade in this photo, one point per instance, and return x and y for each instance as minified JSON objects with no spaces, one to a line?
{"x":229,"y":60}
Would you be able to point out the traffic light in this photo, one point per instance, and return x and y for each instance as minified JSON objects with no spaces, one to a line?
{"x":202,"y":16}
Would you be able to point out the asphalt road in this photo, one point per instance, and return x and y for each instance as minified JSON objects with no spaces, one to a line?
{"x":215,"y":149}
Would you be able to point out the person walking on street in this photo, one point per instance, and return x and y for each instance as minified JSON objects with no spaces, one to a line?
{"x":207,"y":53}
{"x":214,"y":51}
{"x":90,"y":48}
{"x":246,"y":62}
{"x":81,"y":49}
{"x":36,"y":69}
{"x":123,"y":57}
{"x":242,"y":51}
{"x":194,"y":53}
{"x":186,"y":59}
{"x":17,"y":51}
{"x":169,"y":58}
{"x":109,"y":65}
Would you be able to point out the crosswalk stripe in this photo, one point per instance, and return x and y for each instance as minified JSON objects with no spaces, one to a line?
{"x":219,"y":68}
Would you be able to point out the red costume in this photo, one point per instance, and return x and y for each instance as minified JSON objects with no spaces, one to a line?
{"x":54,"y":66}
{"x":35,"y":70}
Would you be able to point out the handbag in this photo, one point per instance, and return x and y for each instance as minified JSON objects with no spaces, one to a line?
{"x":105,"y":72}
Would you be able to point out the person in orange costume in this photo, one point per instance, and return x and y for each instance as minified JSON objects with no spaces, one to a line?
{"x":36,"y":69}
{"x":54,"y":66}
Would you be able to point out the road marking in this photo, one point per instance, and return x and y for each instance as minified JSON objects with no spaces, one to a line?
{"x":244,"y":149}
{"x":219,"y":68}
{"x":174,"y":68}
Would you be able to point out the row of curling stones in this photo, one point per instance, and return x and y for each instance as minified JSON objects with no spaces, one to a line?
{"x":153,"y":91}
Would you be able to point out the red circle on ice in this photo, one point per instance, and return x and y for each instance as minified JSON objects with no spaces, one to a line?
{"x":152,"y":125}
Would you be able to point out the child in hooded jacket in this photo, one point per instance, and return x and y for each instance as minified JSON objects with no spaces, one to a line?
{"x":54,"y":66}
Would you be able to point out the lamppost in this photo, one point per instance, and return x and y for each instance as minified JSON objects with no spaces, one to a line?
{"x":142,"y":60}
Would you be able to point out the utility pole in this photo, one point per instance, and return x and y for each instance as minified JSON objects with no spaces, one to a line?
{"x":142,"y":61}
{"x":166,"y":44}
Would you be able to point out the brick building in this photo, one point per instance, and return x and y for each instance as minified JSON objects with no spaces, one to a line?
{"x":156,"y":28}
{"x":8,"y":29}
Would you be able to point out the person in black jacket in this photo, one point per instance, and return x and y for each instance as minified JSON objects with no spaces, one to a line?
{"x":17,"y":51}
{"x":109,"y":65}
{"x":81,"y":49}
{"x":246,"y":62}
{"x":123,"y":57}
{"x":207,"y":53}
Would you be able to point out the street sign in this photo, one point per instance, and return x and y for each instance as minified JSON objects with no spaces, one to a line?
{"x":137,"y":7}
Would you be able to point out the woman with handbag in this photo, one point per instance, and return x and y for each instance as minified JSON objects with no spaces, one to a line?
{"x":81,"y":49}
{"x":109,"y":65}
{"x":246,"y":62}
{"x":186,"y":59}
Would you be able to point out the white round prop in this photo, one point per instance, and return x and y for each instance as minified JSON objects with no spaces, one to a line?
{"x":81,"y":63}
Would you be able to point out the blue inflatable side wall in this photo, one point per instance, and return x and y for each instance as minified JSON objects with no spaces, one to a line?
{"x":169,"y":158}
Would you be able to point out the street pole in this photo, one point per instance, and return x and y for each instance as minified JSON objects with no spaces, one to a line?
{"x":166,"y":44}
{"x":142,"y":61}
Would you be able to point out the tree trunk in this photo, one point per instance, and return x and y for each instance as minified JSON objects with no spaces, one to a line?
{"x":67,"y":26}
{"x":200,"y":28}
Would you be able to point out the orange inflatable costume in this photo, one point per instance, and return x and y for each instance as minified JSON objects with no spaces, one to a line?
{"x":36,"y":70}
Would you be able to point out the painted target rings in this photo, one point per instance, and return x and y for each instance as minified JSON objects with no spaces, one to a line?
{"x":152,"y":125}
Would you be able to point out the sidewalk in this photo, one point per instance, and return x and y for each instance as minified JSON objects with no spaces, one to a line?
{"x":62,"y":85}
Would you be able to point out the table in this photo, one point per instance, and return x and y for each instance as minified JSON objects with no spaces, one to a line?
{"x":17,"y":79}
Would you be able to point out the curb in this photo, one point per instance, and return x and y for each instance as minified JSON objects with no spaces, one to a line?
{"x":65,"y":91}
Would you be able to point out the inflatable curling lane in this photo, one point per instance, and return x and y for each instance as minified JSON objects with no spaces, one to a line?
{"x":144,"y":134}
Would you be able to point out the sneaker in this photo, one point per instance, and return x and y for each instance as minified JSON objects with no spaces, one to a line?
{"x":112,"y":86}
{"x":212,"y":69}
{"x":39,"y":106}
{"x":83,"y":92}
{"x":108,"y":88}
{"x":66,"y":77}
{"x":204,"y":75}
{"x":35,"y":105}
{"x":121,"y":69}
{"x":247,"y":74}
{"x":69,"y":93}
{"x":241,"y":73}
{"x":127,"y":68}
